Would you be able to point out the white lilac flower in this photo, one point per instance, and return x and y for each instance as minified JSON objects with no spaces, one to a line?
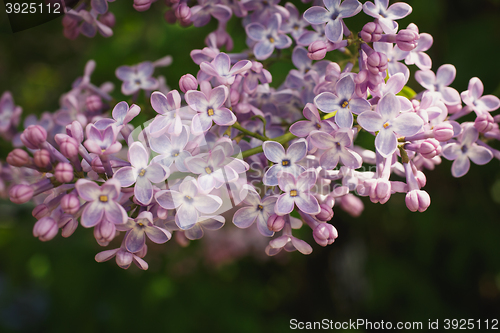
{"x":285,"y":161}
{"x":480,"y":104}
{"x":137,"y":77}
{"x":335,"y":146}
{"x":140,"y":227}
{"x":297,"y":192}
{"x":438,"y":83}
{"x":171,"y":150}
{"x":257,"y":210}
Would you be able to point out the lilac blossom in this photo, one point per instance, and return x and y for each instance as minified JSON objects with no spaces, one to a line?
{"x":171,"y":150}
{"x":137,"y":77}
{"x":332,"y":15}
{"x":267,"y":37}
{"x":394,"y":55}
{"x":336,"y":149}
{"x":285,"y":162}
{"x":438,"y":83}
{"x":201,"y":13}
{"x":221,"y":69}
{"x":9,"y":113}
{"x":102,"y":142}
{"x":344,"y":102}
{"x":204,"y":222}
{"x":297,"y":192}
{"x":480,"y":104}
{"x":142,"y":173}
{"x":303,"y":128}
{"x":123,"y":258}
{"x":255,"y":74}
{"x":265,"y":9}
{"x":168,"y":107}
{"x":209,"y":109}
{"x":140,"y":227}
{"x":417,"y":55}
{"x":189,"y":203}
{"x":287,"y":242}
{"x":294,"y":25}
{"x":101,"y":202}
{"x":386,"y":16}
{"x":464,"y":151}
{"x":388,"y":120}
{"x":257,"y":209}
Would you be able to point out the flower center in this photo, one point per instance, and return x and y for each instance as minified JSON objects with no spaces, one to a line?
{"x":345,"y":104}
{"x":293,"y":193}
{"x":138,"y":82}
{"x":208,"y":170}
{"x":210,"y":111}
{"x":175,"y":154}
{"x":103,"y":198}
{"x":386,"y":125}
{"x":260,"y":207}
{"x":142,"y":173}
{"x":271,"y":39}
{"x":285,"y":163}
{"x":318,"y":126}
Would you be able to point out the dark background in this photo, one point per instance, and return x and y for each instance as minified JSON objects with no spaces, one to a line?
{"x":389,"y":264}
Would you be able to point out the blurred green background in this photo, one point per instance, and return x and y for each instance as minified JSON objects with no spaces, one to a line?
{"x":389,"y":264}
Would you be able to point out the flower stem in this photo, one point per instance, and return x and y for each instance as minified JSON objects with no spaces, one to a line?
{"x":249,"y":133}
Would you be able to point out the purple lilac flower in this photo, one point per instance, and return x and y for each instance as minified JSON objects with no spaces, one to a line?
{"x":417,"y":55}
{"x":257,"y":209}
{"x":332,"y":15}
{"x":171,"y":150}
{"x":336,"y":149}
{"x":314,"y":123}
{"x":480,"y":104}
{"x":189,"y":203}
{"x":394,"y":56}
{"x":388,"y":120}
{"x":209,"y":109}
{"x":264,"y":9}
{"x":438,"y":83}
{"x":201,"y":13}
{"x":123,"y":258}
{"x":345,"y":102}
{"x":169,"y":118}
{"x":267,"y":37}
{"x":287,"y":242}
{"x":89,"y":24}
{"x":9,"y":113}
{"x":252,"y":77}
{"x":308,"y":36}
{"x":386,"y":16}
{"x":122,"y":114}
{"x":464,"y":150}
{"x":221,"y":68}
{"x":102,"y":202}
{"x":285,"y":162}
{"x":137,"y":77}
{"x":140,"y":227}
{"x":294,"y":25}
{"x":102,"y":142}
{"x":142,"y":173}
{"x":204,"y":222}
{"x":297,"y":192}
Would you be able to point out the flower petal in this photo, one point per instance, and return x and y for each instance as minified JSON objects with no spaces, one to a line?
{"x":245,"y":217}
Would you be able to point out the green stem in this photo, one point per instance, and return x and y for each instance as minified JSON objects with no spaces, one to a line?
{"x":249,"y":133}
{"x":280,"y":139}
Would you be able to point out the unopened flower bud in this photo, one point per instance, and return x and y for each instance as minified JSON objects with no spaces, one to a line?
{"x":484,"y":122}
{"x":124,"y":259}
{"x":64,"y":172}
{"x":21,"y":193}
{"x":371,"y":32}
{"x":41,"y":158}
{"x":417,"y":200}
{"x":443,"y":132}
{"x":275,"y":222}
{"x":352,"y":205}
{"x":317,"y":50}
{"x":235,"y":96}
{"x":326,"y":213}
{"x":421,"y":178}
{"x":40,"y":211}
{"x":45,"y":229}
{"x":104,"y":232}
{"x":94,"y":103}
{"x":377,"y":63}
{"x":188,"y":82}
{"x":324,"y":234}
{"x":68,"y":145}
{"x":75,"y":130}
{"x":18,"y":158}
{"x":430,"y":148}
{"x":34,"y":136}
{"x":97,"y":165}
{"x":381,"y":191}
{"x":142,"y":5}
{"x":407,"y":39}
{"x":70,"y":203}
{"x":108,"y":19}
{"x":68,"y":225}
{"x":183,"y":12}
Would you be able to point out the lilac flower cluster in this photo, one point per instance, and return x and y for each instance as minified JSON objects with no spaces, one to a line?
{"x":229,"y":146}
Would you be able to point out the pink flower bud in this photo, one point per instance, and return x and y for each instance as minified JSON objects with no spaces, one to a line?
{"x":454,"y":108}
{"x":68,"y":225}
{"x":352,"y":205}
{"x":275,"y":223}
{"x":40,"y":211}
{"x":484,"y":122}
{"x":170,"y":18}
{"x":75,"y":130}
{"x":142,"y":5}
{"x":381,"y":191}
{"x":34,"y":136}
{"x":317,"y":50}
{"x":407,"y":39}
{"x":70,"y":203}
{"x":324,"y":234}
{"x":235,"y":96}
{"x":68,"y":145}
{"x":443,"y":132}
{"x":42,"y":158}
{"x":417,"y":200}
{"x":377,"y":63}
{"x":21,"y":193}
{"x":421,"y":178}
{"x":371,"y":32}
{"x":124,"y":259}
{"x":64,"y":172}
{"x":108,"y":19}
{"x":18,"y":158}
{"x":45,"y":229}
{"x":97,"y":165}
{"x":188,"y":82}
{"x":94,"y":103}
{"x":183,"y":12}
{"x":326,"y":213}
{"x":69,"y":22}
{"x":430,"y":148}
{"x":104,"y":232}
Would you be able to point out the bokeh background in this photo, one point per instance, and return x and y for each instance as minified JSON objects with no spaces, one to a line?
{"x":389,"y":264}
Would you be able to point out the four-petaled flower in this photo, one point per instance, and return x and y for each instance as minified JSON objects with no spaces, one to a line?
{"x":257,"y":209}
{"x":268,"y":38}
{"x":139,"y":228}
{"x":480,"y":104}
{"x":336,"y":149}
{"x":285,"y":162}
{"x":137,"y":77}
{"x":221,"y":68}
{"x":297,"y":192}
